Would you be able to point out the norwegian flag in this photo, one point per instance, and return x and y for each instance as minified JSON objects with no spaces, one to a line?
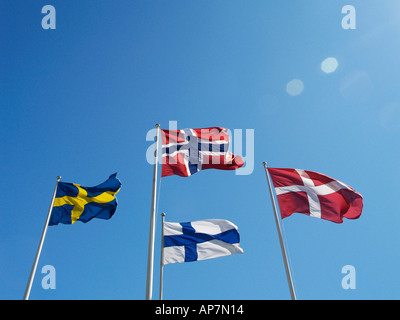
{"x":187,"y":151}
{"x":315,"y":194}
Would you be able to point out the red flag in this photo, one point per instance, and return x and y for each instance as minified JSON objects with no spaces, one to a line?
{"x":187,"y":151}
{"x":315,"y":194}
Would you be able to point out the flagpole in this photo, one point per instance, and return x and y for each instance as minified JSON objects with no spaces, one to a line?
{"x":39,"y":250}
{"x":150,"y":254}
{"x":285,"y":259}
{"x":162,"y":257}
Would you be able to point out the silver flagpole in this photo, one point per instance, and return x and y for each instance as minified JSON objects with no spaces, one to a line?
{"x":150,"y":254}
{"x":39,"y":250}
{"x":162,"y":257}
{"x":278,"y":226}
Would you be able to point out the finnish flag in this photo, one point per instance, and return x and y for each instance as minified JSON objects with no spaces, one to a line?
{"x":199,"y":240}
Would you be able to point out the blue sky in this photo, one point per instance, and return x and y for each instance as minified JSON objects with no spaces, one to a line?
{"x":79,"y":100}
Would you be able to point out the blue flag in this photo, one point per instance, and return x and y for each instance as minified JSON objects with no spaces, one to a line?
{"x":76,"y":203}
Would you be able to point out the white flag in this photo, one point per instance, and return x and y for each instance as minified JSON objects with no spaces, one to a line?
{"x":199,"y":240}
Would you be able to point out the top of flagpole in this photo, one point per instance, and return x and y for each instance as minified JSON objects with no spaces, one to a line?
{"x":157,"y":125}
{"x":265,"y":163}
{"x":58,"y":178}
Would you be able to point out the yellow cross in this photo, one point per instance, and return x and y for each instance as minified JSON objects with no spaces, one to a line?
{"x":81,"y":200}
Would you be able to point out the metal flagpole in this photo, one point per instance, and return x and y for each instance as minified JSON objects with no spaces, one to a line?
{"x":39,"y":250}
{"x":162,"y":257}
{"x":285,"y":260}
{"x":150,"y":254}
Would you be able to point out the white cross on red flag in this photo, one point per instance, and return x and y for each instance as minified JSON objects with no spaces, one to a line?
{"x":315,"y":194}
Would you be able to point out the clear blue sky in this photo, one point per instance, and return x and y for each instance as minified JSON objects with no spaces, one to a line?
{"x":78,"y":102}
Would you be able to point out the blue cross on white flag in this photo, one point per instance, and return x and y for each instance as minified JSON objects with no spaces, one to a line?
{"x":199,"y":240}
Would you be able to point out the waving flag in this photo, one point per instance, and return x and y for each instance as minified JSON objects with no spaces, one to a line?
{"x":315,"y":194}
{"x":199,"y":240}
{"x":76,"y":203}
{"x":185,"y":152}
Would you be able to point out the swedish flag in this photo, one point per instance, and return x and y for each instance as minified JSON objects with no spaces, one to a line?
{"x":74,"y":202}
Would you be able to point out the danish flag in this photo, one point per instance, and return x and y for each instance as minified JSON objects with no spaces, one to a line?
{"x":315,"y":194}
{"x":187,"y":151}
